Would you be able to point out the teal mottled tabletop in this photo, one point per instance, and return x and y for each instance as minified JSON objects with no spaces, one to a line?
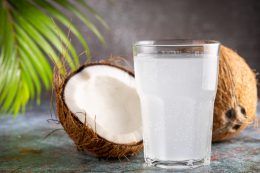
{"x":31,"y":143}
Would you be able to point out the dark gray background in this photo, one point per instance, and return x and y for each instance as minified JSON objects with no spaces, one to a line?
{"x":235,"y":23}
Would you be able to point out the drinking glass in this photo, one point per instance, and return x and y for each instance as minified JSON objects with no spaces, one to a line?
{"x":177,"y":82}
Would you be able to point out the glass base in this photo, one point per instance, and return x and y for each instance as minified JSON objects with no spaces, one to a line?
{"x":184,"y":164}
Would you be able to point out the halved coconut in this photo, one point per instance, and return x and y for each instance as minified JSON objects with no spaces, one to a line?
{"x":99,"y":108}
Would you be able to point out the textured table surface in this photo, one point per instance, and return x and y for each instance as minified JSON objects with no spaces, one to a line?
{"x":27,"y":145}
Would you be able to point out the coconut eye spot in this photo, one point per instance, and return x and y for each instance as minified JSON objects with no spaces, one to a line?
{"x":237,"y":126}
{"x":231,"y":114}
{"x":243,"y":110}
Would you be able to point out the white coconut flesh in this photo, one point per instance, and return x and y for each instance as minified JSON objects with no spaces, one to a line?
{"x":104,"y":97}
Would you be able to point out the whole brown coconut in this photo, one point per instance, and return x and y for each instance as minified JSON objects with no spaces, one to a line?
{"x":85,"y":138}
{"x":236,"y":99}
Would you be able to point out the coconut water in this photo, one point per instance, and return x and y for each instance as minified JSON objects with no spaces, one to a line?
{"x":177,"y":98}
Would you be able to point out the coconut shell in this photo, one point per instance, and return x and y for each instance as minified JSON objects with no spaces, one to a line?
{"x":236,"y":98}
{"x":83,"y":136}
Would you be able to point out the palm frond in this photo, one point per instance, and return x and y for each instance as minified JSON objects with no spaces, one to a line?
{"x":28,"y":36}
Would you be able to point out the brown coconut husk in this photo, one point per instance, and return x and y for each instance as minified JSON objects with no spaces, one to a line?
{"x":83,"y":136}
{"x":236,"y":98}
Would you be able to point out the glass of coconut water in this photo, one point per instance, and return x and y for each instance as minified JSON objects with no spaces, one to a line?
{"x":177,"y":82}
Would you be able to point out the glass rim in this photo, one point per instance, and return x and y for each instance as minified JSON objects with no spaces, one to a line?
{"x":175,"y":43}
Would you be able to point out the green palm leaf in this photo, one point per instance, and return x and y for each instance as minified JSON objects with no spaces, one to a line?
{"x":28,"y":36}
